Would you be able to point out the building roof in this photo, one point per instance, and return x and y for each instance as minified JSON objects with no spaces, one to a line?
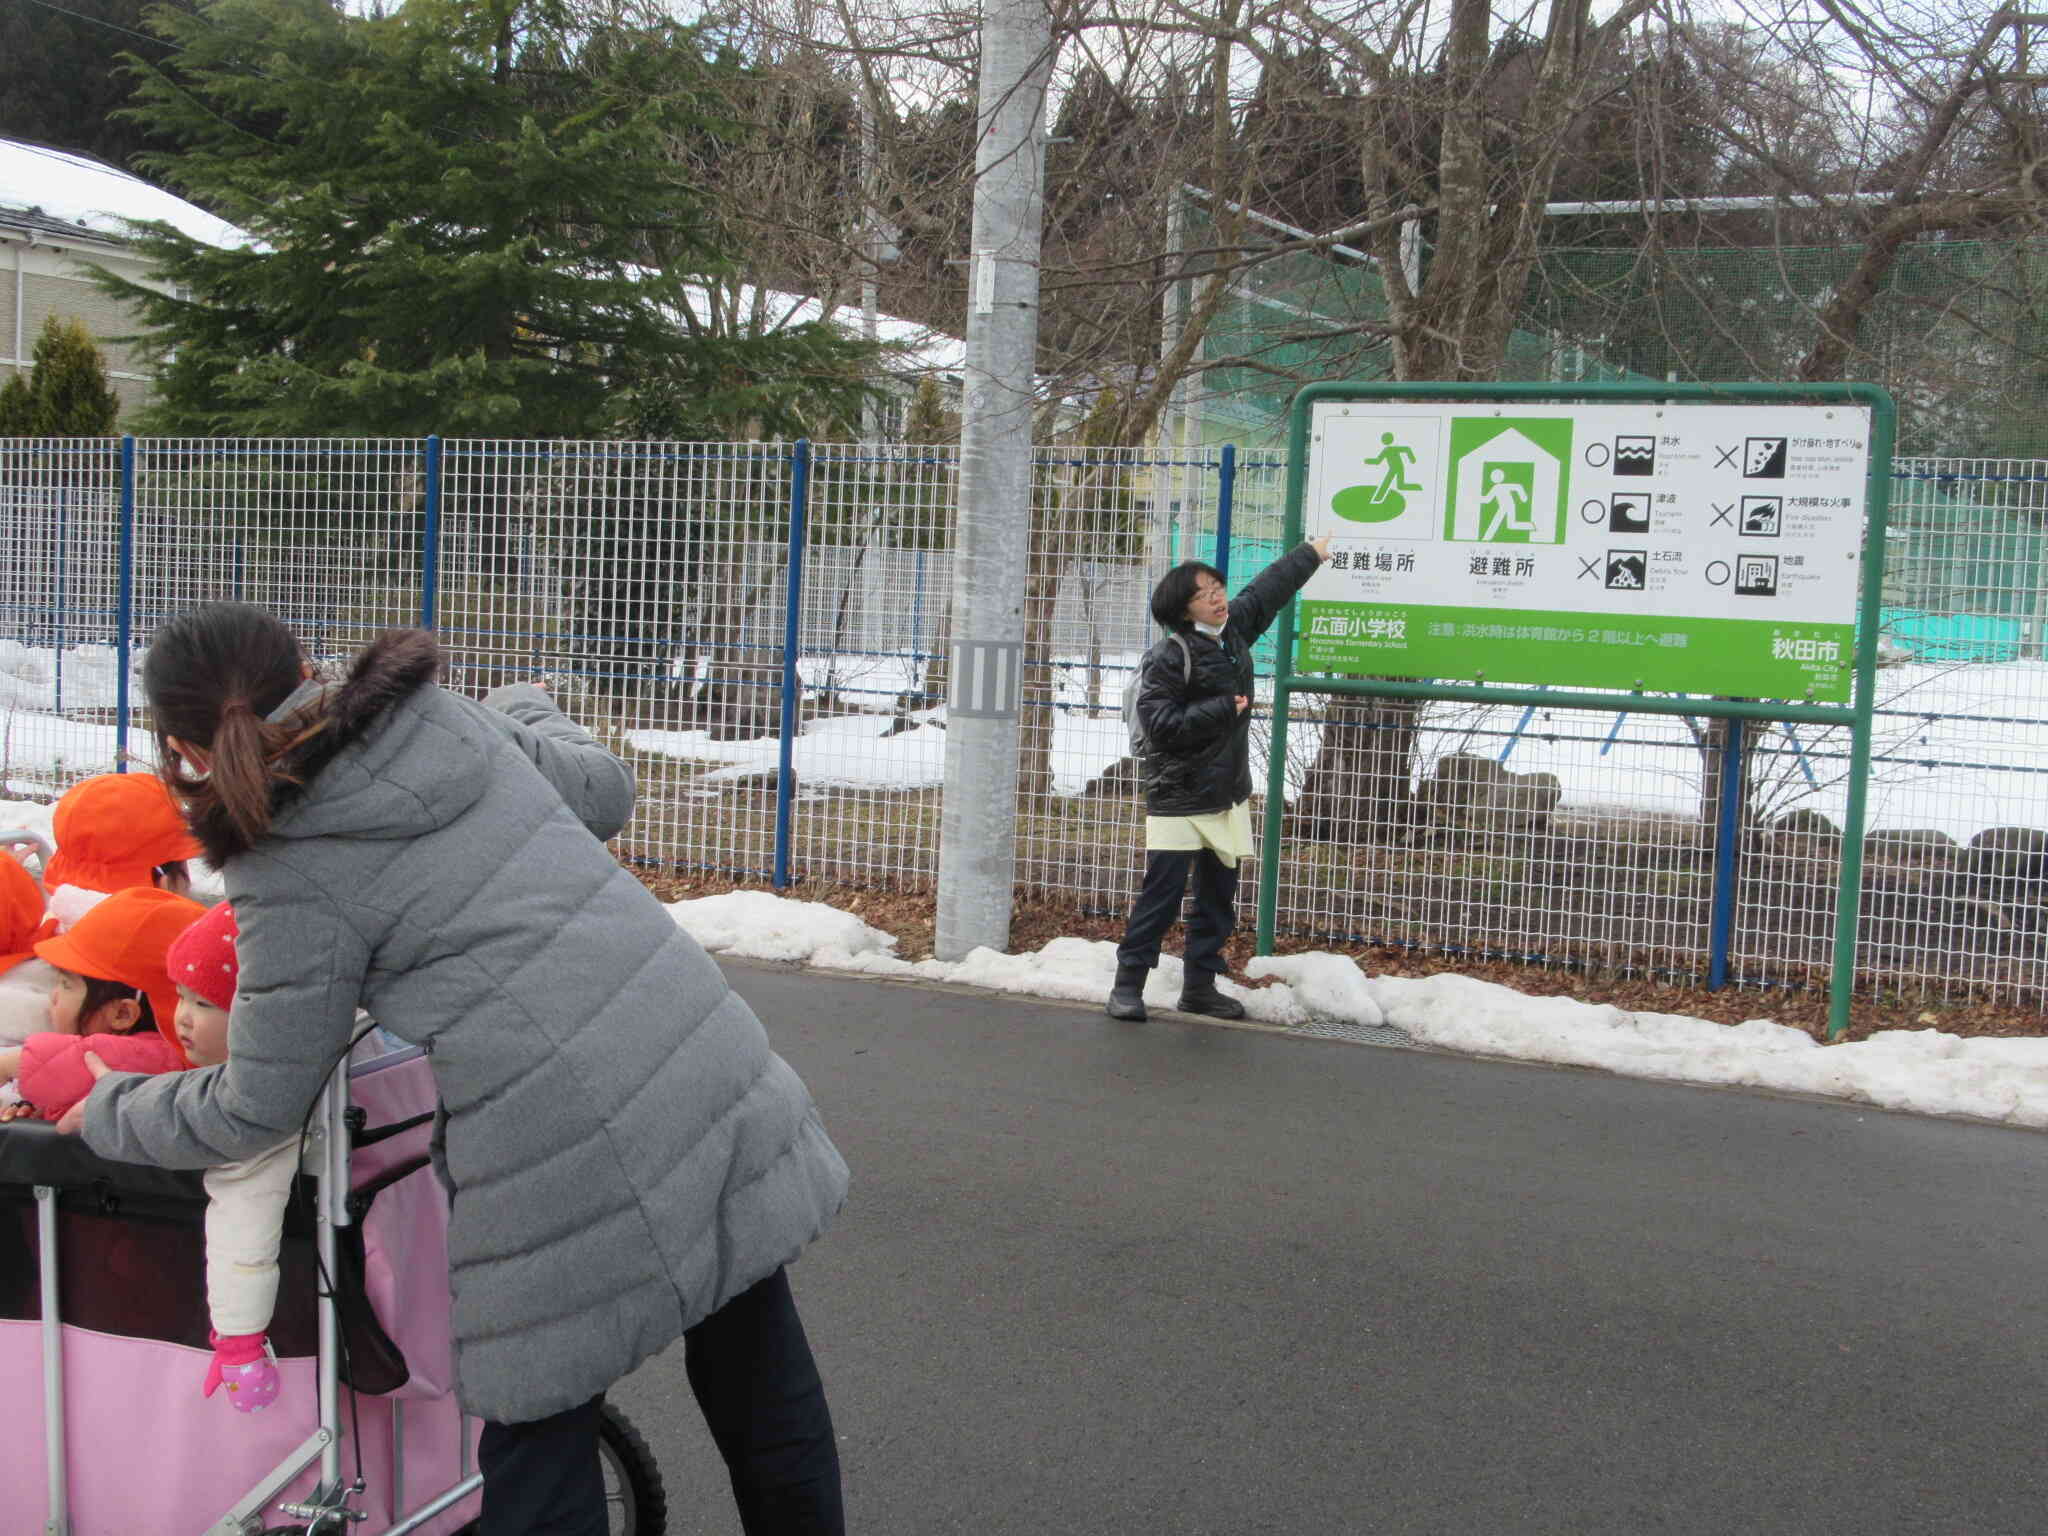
{"x":919,"y":349}
{"x":63,"y":195}
{"x":55,"y":192}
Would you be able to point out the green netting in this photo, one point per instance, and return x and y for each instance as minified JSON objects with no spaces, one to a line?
{"x":1299,"y":318}
{"x":1958,"y":332}
{"x":1964,"y":563}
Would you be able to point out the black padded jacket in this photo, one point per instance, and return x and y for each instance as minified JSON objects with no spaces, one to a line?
{"x":1201,"y":759}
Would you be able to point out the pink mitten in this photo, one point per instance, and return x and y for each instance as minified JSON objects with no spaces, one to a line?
{"x":242,"y":1363}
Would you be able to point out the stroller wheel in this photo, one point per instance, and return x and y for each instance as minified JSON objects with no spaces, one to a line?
{"x":636,"y":1504}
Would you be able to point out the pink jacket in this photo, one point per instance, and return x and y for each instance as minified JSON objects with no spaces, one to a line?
{"x":54,"y":1075}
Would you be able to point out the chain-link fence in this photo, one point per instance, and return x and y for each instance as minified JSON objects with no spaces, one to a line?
{"x":762,"y":630}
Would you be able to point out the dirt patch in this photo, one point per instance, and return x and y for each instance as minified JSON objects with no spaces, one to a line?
{"x":911,"y":916}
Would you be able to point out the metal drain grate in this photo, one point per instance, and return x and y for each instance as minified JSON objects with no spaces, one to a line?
{"x":1361,"y":1034}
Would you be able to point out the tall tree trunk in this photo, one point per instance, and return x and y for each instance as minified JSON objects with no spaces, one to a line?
{"x":1713,"y":745}
{"x":1453,"y":325}
{"x":1361,"y":788}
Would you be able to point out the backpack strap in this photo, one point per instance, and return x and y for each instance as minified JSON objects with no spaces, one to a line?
{"x":1187,"y":658}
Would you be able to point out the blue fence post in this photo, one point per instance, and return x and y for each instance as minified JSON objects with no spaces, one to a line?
{"x":1613,"y":731}
{"x":63,"y":587}
{"x":1226,"y":493}
{"x":1726,"y":833}
{"x":430,"y":537}
{"x":917,"y":625}
{"x":124,"y":605}
{"x":792,"y":637}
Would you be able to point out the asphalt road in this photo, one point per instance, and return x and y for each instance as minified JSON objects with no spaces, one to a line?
{"x":1177,"y":1278}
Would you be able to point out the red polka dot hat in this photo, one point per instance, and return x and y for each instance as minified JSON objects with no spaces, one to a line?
{"x":203,"y":957}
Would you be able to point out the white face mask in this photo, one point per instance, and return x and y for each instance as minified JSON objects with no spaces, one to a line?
{"x":192,"y":770}
{"x":308,"y":690}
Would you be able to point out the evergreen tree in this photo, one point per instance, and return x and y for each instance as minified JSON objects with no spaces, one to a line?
{"x":17,"y":406}
{"x":928,"y":420}
{"x":465,"y":218}
{"x":69,"y":395}
{"x":1301,"y":135}
{"x":60,"y":80}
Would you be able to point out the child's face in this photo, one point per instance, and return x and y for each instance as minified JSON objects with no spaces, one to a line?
{"x":202,"y":1029}
{"x":66,"y":1001}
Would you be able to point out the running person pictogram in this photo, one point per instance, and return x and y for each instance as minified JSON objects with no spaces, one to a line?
{"x":1396,"y":457}
{"x":1506,"y":506}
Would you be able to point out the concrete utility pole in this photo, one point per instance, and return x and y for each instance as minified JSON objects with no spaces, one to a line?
{"x":978,"y":826}
{"x":870,"y":255}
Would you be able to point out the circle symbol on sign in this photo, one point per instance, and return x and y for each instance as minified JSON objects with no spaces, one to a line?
{"x":1718,"y":573}
{"x":1594,"y":511}
{"x":1597,"y":455}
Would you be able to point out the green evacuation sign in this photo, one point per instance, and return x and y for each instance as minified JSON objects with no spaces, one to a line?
{"x":1683,"y":548}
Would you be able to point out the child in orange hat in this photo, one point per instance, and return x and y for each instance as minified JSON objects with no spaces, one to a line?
{"x":25,"y":981}
{"x":245,"y":1200}
{"x":113,"y":995}
{"x":114,"y":831}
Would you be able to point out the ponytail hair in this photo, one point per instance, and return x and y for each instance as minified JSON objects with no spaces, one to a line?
{"x":211,"y":676}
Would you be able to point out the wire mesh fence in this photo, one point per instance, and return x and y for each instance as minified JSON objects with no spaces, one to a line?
{"x":762,"y":631}
{"x":60,"y":513}
{"x":325,"y":532}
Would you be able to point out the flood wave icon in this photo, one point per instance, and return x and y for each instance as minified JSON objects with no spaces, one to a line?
{"x":1635,"y":455}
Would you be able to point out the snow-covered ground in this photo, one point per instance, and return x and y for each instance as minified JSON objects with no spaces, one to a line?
{"x":1924,"y":1071}
{"x":1962,"y":749}
{"x":1957,"y":748}
{"x":1965,"y":750}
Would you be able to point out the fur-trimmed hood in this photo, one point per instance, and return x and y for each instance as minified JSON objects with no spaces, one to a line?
{"x":394,"y":666}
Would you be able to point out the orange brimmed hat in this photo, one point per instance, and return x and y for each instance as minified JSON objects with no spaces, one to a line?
{"x":126,"y":939}
{"x":114,"y":830}
{"x":21,"y":914}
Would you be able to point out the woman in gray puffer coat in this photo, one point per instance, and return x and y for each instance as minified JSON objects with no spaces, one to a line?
{"x":628,"y":1160}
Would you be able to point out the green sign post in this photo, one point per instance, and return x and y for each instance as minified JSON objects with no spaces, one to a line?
{"x":1643,"y":538}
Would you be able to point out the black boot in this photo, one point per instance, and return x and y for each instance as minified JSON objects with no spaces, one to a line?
{"x":1198,"y":994}
{"x":1127,"y":997}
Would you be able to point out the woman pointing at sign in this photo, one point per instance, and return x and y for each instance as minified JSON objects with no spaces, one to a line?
{"x":1194,"y":715}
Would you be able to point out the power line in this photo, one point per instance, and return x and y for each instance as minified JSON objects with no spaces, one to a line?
{"x":98,"y":21}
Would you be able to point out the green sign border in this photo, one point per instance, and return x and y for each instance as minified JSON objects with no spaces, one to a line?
{"x":1856,"y":714}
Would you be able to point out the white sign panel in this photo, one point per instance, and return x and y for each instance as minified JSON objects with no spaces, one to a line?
{"x":1677,"y":547}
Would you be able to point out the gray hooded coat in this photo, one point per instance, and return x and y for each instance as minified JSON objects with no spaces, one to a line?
{"x":624,"y":1151}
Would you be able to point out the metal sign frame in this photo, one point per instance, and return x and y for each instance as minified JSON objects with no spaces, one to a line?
{"x":1856,"y":714}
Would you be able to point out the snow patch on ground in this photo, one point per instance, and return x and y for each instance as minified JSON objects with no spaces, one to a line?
{"x":1925,"y":1071}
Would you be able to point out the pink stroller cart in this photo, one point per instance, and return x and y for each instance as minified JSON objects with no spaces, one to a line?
{"x":103,"y":1344}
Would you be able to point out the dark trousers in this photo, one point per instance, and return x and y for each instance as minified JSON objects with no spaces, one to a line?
{"x":1158,"y":904}
{"x":751,"y":1369}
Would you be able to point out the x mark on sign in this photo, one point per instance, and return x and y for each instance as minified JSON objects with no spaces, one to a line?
{"x":1589,"y":568}
{"x":1724,"y":458}
{"x":1722,"y":515}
